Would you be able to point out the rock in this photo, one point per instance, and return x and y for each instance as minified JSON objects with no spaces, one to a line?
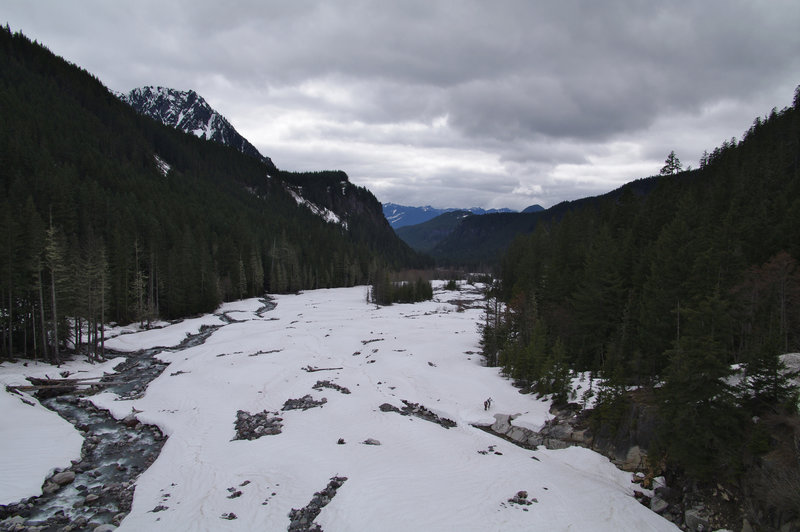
{"x":104,"y":528}
{"x":658,"y":505}
{"x":581,"y":436}
{"x":13,"y":523}
{"x":371,"y":441}
{"x":534,"y":440}
{"x":517,"y":434}
{"x":502,"y":423}
{"x":332,"y":385}
{"x":634,"y":460}
{"x":666,"y":493}
{"x":341,"y":441}
{"x":92,"y":497}
{"x":252,"y":426}
{"x":304,"y":403}
{"x":50,"y":487}
{"x":696,"y":519}
{"x":63,"y":478}
{"x":420,"y":411}
{"x":521,"y":498}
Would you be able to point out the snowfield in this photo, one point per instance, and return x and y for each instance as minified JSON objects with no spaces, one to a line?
{"x":422,"y":476}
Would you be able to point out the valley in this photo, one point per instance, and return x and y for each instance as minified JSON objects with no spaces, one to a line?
{"x":416,"y":475}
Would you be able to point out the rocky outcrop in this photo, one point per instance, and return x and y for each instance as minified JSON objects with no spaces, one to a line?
{"x":417,"y":410}
{"x":561,"y":431}
{"x":252,"y":426}
{"x":302,"y":520}
{"x":331,"y":385}
{"x":303,"y":403}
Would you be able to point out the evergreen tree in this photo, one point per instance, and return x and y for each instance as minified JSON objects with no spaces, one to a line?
{"x":672,"y":165}
{"x":54,"y":261}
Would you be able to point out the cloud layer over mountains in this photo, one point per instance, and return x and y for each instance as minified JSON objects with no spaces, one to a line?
{"x":451,"y":103}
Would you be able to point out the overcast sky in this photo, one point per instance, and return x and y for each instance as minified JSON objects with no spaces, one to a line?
{"x":450,"y":103}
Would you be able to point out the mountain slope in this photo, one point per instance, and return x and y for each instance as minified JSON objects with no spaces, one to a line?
{"x":190,"y":113}
{"x":403,"y":215}
{"x":167,"y":223}
{"x":671,"y":290}
{"x":425,"y":236}
{"x":483,"y":239}
{"x":327,"y":194}
{"x":533,"y":208}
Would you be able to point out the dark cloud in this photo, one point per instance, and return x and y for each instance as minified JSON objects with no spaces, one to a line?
{"x":451,"y":102}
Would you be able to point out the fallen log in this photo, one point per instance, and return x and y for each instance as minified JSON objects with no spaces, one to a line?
{"x":46,"y":388}
{"x":49,"y":380}
{"x":37,"y":387}
{"x":311,"y":369}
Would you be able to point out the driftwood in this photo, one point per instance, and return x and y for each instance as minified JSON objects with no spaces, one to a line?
{"x":67,"y":387}
{"x":48,"y":380}
{"x":52,"y":387}
{"x":311,"y":369}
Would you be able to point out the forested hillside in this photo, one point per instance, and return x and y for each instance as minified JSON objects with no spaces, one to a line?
{"x":478,"y":241}
{"x":426,"y":235}
{"x":666,"y":291}
{"x":109,"y":216}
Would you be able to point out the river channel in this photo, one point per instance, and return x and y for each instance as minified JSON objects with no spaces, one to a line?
{"x":113,"y":455}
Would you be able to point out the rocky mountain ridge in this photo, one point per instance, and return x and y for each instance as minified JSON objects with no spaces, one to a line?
{"x":190,"y":113}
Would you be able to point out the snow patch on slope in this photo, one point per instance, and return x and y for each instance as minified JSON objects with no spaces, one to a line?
{"x":323,"y":212}
{"x":162,"y":165}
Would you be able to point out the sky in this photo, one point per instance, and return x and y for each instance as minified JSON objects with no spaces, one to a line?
{"x":451,"y":103}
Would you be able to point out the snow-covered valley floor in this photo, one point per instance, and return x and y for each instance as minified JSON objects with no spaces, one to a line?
{"x":422,"y":476}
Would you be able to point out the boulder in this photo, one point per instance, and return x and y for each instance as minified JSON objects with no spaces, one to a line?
{"x":371,"y":441}
{"x":50,"y":487}
{"x":635,"y":459}
{"x":696,"y":519}
{"x":517,"y":434}
{"x":502,"y":423}
{"x":658,"y":505}
{"x":63,"y":478}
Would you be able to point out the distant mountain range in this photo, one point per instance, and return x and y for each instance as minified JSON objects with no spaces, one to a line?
{"x":403,"y":215}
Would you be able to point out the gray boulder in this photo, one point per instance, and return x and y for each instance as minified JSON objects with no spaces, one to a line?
{"x":696,"y":519}
{"x":63,"y":478}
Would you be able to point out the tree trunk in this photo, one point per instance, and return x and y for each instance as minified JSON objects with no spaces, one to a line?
{"x":33,"y":330}
{"x":78,"y":335}
{"x":10,"y":320}
{"x":56,"y":355}
{"x":41,"y":312}
{"x":102,"y":317}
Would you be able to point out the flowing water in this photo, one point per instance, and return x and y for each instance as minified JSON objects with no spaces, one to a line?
{"x":114,"y":453}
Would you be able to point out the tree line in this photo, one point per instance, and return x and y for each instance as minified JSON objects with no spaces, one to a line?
{"x":667,"y":291}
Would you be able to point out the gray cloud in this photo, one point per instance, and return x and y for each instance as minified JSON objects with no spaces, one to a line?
{"x":451,"y":103}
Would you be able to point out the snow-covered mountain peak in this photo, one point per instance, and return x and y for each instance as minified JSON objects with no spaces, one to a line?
{"x":188,"y":112}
